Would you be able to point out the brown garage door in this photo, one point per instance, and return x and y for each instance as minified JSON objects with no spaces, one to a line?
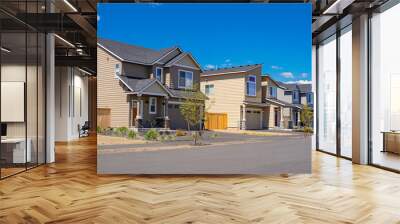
{"x":216,"y":121}
{"x":253,"y":119}
{"x":103,"y":117}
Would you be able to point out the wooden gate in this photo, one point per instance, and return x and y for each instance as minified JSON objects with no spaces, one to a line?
{"x":103,"y":117}
{"x":216,"y":121}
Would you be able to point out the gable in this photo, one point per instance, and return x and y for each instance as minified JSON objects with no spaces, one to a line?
{"x":169,"y":56}
{"x":156,"y":89}
{"x":187,"y":61}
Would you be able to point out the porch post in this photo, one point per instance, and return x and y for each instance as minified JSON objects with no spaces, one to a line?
{"x":166,"y":118}
{"x":243,"y":126}
{"x":138,"y":120}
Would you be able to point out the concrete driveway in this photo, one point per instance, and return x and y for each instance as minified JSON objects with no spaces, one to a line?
{"x":228,"y":154}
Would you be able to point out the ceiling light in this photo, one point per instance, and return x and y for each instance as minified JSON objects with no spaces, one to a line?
{"x":64,"y":40}
{"x":5,"y":50}
{"x":70,"y":5}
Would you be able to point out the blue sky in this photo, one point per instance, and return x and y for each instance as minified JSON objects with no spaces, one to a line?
{"x":219,"y":35}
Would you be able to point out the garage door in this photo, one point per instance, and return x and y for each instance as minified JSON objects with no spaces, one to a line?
{"x":253,"y":119}
{"x":216,"y":121}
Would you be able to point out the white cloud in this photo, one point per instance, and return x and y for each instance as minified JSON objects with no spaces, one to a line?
{"x":304,"y":75}
{"x":299,"y":82}
{"x":276,"y":67}
{"x":287,"y":75}
{"x":227,"y":60}
{"x":209,"y":66}
{"x":98,"y":18}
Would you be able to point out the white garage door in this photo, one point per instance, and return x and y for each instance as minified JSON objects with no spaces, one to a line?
{"x":253,"y":119}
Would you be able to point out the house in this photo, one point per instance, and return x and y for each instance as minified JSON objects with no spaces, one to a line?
{"x":235,"y":93}
{"x":286,"y":102}
{"x":143,"y":88}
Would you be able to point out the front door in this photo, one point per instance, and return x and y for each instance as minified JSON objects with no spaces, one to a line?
{"x":276,"y":114}
{"x":133,"y":113}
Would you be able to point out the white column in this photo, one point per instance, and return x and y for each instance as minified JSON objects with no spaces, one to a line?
{"x":243,"y":126}
{"x":50,"y":99}
{"x":360,"y":90}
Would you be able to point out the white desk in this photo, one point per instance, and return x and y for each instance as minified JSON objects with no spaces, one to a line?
{"x":18,"y":151}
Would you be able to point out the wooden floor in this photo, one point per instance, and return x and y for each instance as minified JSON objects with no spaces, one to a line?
{"x":69,"y":191}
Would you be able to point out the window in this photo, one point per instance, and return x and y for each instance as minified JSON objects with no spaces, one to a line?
{"x":288,"y":93}
{"x":309,"y":98}
{"x":327,"y":95}
{"x":185,"y":80}
{"x":159,"y":74}
{"x":152,"y":105}
{"x":251,"y":85}
{"x":272,"y":91}
{"x":117,"y":70}
{"x":295,"y":96}
{"x":209,"y":89}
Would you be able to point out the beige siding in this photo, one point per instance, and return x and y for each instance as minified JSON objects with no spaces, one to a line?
{"x":110,"y":94}
{"x":227,"y":98}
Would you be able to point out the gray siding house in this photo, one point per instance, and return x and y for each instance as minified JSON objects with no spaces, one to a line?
{"x":143,"y":88}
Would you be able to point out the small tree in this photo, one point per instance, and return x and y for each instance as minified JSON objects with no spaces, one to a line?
{"x":306,"y":117}
{"x":192,"y":110}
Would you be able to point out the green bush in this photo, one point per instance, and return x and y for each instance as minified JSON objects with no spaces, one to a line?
{"x":99,"y":129}
{"x":171,"y":137}
{"x":121,"y":131}
{"x":131,"y":134}
{"x":308,"y":130}
{"x":151,"y":135}
{"x":214,"y":135}
{"x":180,"y":133}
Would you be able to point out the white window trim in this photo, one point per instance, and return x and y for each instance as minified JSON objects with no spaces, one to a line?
{"x":205,"y":89}
{"x":179,"y":79}
{"x":115,"y":70}
{"x":162,"y":74}
{"x":255,"y":82}
{"x":155,"y":105}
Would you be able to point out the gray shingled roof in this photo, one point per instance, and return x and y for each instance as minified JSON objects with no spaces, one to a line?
{"x":304,"y":88}
{"x":243,"y":68}
{"x":132,"y":53}
{"x":285,"y":104}
{"x":135,"y":84}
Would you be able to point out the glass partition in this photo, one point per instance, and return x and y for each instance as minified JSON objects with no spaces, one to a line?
{"x":346,"y":92}
{"x":22,"y":88}
{"x":327,"y":95}
{"x":385,"y":89}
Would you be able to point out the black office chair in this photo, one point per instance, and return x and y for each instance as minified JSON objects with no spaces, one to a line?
{"x":84,"y":130}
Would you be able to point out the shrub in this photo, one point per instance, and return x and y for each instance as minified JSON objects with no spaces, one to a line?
{"x":151,"y":135}
{"x":121,"y":131}
{"x":214,"y":135}
{"x":308,"y":130}
{"x":180,"y":133}
{"x":99,"y":129}
{"x":171,"y":137}
{"x":131,"y":134}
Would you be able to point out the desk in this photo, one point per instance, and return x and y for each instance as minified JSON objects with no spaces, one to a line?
{"x":391,"y":141}
{"x":13,"y":150}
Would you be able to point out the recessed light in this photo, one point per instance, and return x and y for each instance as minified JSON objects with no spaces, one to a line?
{"x":5,"y":50}
{"x":70,"y":5}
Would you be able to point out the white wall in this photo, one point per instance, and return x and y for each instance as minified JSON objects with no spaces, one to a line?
{"x":71,"y":87}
